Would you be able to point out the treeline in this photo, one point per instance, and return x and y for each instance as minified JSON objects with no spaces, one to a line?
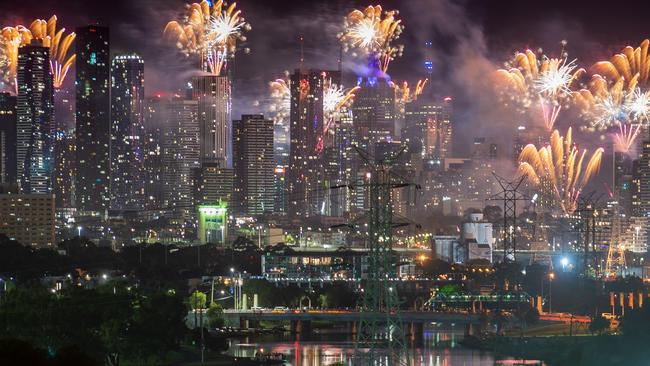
{"x":109,"y":322}
{"x":154,"y":262}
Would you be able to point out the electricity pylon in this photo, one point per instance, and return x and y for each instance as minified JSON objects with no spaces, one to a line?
{"x":509,"y":195}
{"x":380,"y":337}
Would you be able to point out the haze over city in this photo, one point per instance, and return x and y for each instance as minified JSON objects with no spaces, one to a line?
{"x":421,"y":182}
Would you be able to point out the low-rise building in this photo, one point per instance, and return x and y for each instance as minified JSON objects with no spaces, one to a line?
{"x":28,"y":218}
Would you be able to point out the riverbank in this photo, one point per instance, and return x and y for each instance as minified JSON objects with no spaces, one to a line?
{"x":603,"y":350}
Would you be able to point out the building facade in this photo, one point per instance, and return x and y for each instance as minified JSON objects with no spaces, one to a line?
{"x":8,"y":120}
{"x":253,"y":163}
{"x":127,"y":133}
{"x":93,"y":118}
{"x":35,"y":127}
{"x":214,"y":110}
{"x":180,"y":155}
{"x":28,"y":218}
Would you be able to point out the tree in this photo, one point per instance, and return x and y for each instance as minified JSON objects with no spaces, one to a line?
{"x":197,"y":303}
{"x":493,"y":214}
{"x":599,"y":325}
{"x":215,"y":316}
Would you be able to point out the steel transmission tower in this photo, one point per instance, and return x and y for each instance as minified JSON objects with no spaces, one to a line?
{"x":509,"y":195}
{"x":380,"y":336}
{"x":587,"y":212}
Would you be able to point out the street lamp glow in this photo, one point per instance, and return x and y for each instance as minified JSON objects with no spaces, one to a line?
{"x":564,"y":261}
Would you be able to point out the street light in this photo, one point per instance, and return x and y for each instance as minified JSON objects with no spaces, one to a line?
{"x":79,"y":231}
{"x":551,"y":277}
{"x":565,"y":262}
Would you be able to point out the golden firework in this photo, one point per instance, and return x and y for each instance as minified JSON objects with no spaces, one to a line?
{"x":530,"y":78}
{"x":11,"y":38}
{"x":59,"y":46}
{"x":631,"y":64}
{"x":561,"y":165}
{"x":372,"y":32}
{"x":209,"y":31}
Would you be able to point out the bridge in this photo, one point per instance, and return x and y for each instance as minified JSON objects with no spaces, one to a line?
{"x":301,"y":320}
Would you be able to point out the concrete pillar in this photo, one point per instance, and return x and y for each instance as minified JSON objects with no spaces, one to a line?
{"x":254,"y":323}
{"x":305,"y":328}
{"x":469,"y":331}
{"x":294,"y":326}
{"x":351,"y":327}
{"x":243,"y":323}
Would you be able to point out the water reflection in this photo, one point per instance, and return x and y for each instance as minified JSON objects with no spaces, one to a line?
{"x":438,"y":347}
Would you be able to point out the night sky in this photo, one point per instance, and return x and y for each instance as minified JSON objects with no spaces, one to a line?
{"x":470,"y":39}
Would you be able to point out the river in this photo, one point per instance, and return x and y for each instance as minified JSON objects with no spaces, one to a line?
{"x":439,"y":347}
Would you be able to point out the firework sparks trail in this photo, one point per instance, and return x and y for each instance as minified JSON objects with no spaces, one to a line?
{"x":404,"y":94}
{"x":371,"y":32}
{"x":550,"y":112}
{"x":335,"y":98}
{"x":210,"y":31}
{"x":625,"y":137}
{"x":631,"y":64}
{"x":59,"y":46}
{"x":280,"y":100}
{"x":12,"y":38}
{"x":561,"y":164}
{"x":545,"y":79}
{"x":605,"y":104}
{"x":638,"y":105}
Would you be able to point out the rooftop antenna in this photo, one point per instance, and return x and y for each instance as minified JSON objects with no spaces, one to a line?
{"x":302,"y":53}
{"x":340,"y":60}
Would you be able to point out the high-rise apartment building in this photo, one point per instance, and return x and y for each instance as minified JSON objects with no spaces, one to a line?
{"x":641,"y":181}
{"x":93,"y":118}
{"x":156,"y":116}
{"x":35,"y":127}
{"x":8,"y":120}
{"x":304,"y":181}
{"x":428,"y":129}
{"x":213,"y":94}
{"x":180,"y":155}
{"x":374,"y":111}
{"x":127,"y":132}
{"x":253,"y":163}
{"x":64,"y":149}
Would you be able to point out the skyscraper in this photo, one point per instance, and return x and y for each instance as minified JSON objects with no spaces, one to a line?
{"x":374,"y":111}
{"x":64,"y":149}
{"x":93,"y":118}
{"x":156,"y":116}
{"x":8,"y":122}
{"x":35,"y":128}
{"x":180,"y":155}
{"x":213,"y":95}
{"x":127,"y":132}
{"x":303,"y":174}
{"x":641,"y":180}
{"x":428,"y":128}
{"x":253,"y":163}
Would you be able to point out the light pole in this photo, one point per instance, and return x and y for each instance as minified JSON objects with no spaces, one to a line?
{"x":551,"y":276}
{"x":237,"y":282}
{"x":79,"y":231}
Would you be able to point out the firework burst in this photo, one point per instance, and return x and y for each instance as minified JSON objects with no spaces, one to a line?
{"x":11,"y":38}
{"x":561,"y":165}
{"x":604,"y":105}
{"x":280,"y":100}
{"x":625,"y":136}
{"x":335,"y":98}
{"x":638,"y":105}
{"x":371,"y":32}
{"x":59,"y":46}
{"x":210,"y":31}
{"x":631,"y":64}
{"x":529,"y":80}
